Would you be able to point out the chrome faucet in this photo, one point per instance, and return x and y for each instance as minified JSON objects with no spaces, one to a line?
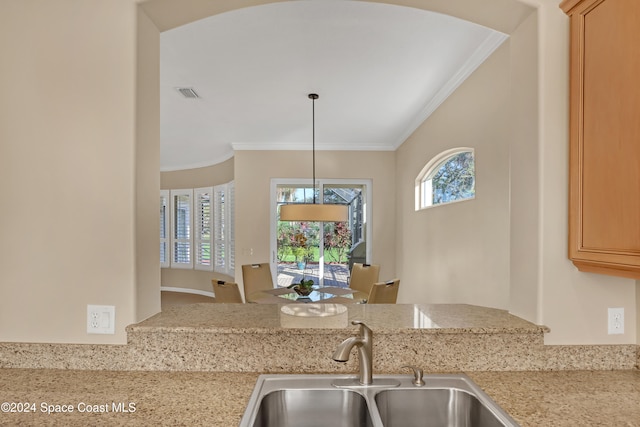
{"x":364,"y":344}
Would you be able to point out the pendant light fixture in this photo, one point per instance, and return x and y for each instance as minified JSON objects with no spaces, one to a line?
{"x":314,"y":211}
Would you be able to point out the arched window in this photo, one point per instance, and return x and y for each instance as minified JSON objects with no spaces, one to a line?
{"x":448,"y":177}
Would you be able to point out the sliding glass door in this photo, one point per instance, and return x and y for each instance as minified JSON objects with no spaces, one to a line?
{"x":314,"y":250}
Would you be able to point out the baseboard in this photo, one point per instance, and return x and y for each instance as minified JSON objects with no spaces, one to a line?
{"x":187,"y":291}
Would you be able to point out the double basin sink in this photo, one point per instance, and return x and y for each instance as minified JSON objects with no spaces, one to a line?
{"x":391,"y":401}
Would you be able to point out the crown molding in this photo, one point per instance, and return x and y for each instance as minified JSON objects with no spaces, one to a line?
{"x":486,"y":48}
{"x":306,"y":146}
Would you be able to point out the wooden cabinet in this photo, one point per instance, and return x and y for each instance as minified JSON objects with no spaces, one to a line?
{"x":604,"y":193}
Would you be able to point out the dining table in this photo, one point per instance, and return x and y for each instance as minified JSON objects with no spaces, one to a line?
{"x":320,"y":294}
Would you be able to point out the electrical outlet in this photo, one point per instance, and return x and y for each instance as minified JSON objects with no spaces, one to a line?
{"x":101,"y":319}
{"x":616,"y":321}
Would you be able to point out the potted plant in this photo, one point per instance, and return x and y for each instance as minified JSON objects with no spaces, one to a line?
{"x":304,"y":288}
{"x":301,"y":257}
{"x":300,"y":250}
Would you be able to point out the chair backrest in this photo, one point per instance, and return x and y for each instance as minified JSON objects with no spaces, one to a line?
{"x":256,"y":277}
{"x":363,"y":276}
{"x":358,"y":253}
{"x":384,"y":292}
{"x":226,"y":291}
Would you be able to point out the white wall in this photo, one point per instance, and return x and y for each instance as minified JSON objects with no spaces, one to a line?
{"x":459,"y":253}
{"x":543,"y":285}
{"x":524,"y":171}
{"x":147,"y":157}
{"x":573,"y":304}
{"x":68,"y":164}
{"x":255,"y":169}
{"x":69,"y":131}
{"x":220,"y":173}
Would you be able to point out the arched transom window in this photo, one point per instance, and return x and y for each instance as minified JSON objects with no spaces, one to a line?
{"x":448,"y":177}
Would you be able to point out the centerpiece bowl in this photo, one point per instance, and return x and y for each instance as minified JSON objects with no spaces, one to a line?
{"x":304,"y":288}
{"x":303,"y":291}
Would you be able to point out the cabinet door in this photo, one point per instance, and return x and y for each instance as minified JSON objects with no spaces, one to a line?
{"x":604,"y":199}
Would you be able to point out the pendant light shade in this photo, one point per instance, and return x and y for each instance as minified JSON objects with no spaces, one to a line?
{"x":314,"y":211}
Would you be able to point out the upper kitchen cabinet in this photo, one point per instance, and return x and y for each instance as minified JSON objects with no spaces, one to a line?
{"x":604,"y":193}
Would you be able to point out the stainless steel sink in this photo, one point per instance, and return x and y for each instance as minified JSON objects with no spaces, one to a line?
{"x":312,"y":401}
{"x":434,"y":408}
{"x":302,"y":408}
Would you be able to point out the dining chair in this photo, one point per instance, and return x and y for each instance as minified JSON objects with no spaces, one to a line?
{"x":256,"y":278}
{"x":226,"y":291}
{"x":384,"y":292}
{"x":363,"y":276}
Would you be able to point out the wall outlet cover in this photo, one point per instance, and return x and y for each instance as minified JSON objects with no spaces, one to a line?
{"x":615,"y":322}
{"x":101,"y":319}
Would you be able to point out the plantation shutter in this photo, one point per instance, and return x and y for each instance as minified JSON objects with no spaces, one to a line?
{"x":181,"y":229}
{"x":219,"y":228}
{"x":203,"y":233}
{"x":164,"y":229}
{"x":231,"y":210}
{"x":197,"y":228}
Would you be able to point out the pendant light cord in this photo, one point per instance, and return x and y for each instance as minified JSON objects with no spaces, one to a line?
{"x":313,"y":97}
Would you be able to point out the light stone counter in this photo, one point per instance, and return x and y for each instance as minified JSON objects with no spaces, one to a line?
{"x":225,"y":346}
{"x":432,"y":318}
{"x":439,"y":337}
{"x":258,"y":338}
{"x":534,"y":399}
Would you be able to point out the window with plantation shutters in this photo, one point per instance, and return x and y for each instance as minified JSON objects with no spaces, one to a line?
{"x":223,"y":240}
{"x":196,"y":229}
{"x":231,"y":203}
{"x":181,"y":228}
{"x":164,"y":229}
{"x":202,"y":240}
{"x":219,"y":229}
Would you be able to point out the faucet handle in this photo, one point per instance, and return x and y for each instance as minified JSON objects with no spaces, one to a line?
{"x":417,"y":375}
{"x":361,"y":323}
{"x":364,"y":329}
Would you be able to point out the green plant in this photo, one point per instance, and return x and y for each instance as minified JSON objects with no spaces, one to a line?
{"x":298,"y":241}
{"x":303,"y":283}
{"x":338,"y":240}
{"x":305,"y":287}
{"x":285,"y":231}
{"x":299,"y":247}
{"x":300,"y":253}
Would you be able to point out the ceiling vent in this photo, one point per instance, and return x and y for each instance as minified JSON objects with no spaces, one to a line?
{"x":188,"y":92}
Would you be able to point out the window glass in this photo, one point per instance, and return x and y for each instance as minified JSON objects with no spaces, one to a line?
{"x":201,"y":228}
{"x":448,"y":177}
{"x":202,"y":237}
{"x":181,"y":228}
{"x":164,"y":229}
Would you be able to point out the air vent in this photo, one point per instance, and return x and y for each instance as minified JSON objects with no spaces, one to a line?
{"x":188,"y":92}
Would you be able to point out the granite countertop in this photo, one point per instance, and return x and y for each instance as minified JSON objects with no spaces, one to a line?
{"x":198,"y":365}
{"x":396,"y":318}
{"x":534,"y":399}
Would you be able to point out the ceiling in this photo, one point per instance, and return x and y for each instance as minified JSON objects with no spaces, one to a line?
{"x":380,"y":70}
